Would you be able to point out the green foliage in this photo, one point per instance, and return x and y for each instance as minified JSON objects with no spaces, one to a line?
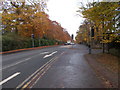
{"x":101,"y":16}
{"x":13,"y":42}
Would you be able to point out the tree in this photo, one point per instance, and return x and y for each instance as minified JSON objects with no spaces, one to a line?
{"x":26,"y":19}
{"x":101,"y":16}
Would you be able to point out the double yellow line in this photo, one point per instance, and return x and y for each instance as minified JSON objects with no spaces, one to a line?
{"x":33,"y":79}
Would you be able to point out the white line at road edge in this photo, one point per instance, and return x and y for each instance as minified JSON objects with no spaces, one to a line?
{"x":50,"y":54}
{"x":7,"y":79}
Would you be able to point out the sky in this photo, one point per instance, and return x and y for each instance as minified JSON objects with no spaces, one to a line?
{"x":64,"y":12}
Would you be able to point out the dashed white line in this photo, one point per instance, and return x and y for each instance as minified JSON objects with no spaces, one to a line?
{"x":16,"y":63}
{"x":7,"y":79}
{"x":27,"y":59}
{"x":44,"y":53}
{"x":21,"y":61}
{"x":50,"y":54}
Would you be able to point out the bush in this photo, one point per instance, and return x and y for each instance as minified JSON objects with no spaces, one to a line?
{"x":115,"y":52}
{"x":12,"y":42}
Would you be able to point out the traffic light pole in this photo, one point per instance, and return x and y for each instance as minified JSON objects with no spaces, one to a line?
{"x":91,"y":40}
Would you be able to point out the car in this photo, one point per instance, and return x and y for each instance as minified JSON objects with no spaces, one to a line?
{"x":67,"y":43}
{"x":72,"y":43}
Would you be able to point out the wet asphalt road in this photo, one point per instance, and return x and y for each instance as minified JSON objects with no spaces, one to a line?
{"x":53,"y":67}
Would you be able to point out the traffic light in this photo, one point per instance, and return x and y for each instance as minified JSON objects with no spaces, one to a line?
{"x":72,"y":36}
{"x":92,"y":32}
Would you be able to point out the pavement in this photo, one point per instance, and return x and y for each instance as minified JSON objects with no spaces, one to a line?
{"x":54,"y":67}
{"x":106,"y":67}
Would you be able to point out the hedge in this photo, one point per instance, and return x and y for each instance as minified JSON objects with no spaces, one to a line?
{"x":13,"y":42}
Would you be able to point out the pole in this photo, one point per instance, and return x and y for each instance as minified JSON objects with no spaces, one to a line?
{"x":103,"y":45}
{"x":90,"y":48}
{"x":108,"y":43}
{"x":32,"y":42}
{"x":39,"y":40}
{"x":103,"y":34}
{"x":32,"y":37}
{"x":90,"y":42}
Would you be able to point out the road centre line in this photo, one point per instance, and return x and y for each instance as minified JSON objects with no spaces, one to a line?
{"x":9,"y":78}
{"x":34,"y":73}
{"x":27,"y":58}
{"x":39,"y":74}
{"x":21,"y":61}
{"x":44,"y":52}
{"x":50,"y":54}
{"x":16,"y":63}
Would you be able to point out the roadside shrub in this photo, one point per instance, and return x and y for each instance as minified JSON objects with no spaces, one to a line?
{"x":13,"y":42}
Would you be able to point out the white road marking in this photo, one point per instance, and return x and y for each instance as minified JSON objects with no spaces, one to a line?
{"x":27,"y":58}
{"x":7,"y":79}
{"x":26,"y":80}
{"x":44,"y":53}
{"x":66,"y":46}
{"x":21,"y":61}
{"x":35,"y":73}
{"x":15,"y":63}
{"x":50,"y":54}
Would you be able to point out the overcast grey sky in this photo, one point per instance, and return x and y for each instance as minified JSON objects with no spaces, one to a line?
{"x":64,"y":12}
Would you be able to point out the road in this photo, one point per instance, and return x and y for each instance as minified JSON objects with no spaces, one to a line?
{"x":54,"y":67}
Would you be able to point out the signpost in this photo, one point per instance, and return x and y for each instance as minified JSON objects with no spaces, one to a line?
{"x":32,"y":37}
{"x":39,"y":40}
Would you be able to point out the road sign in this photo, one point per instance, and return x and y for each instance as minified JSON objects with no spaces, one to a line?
{"x":32,"y":35}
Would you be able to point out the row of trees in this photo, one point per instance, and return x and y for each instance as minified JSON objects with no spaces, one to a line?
{"x":26,"y":18}
{"x":101,"y":17}
{"x":21,"y":20}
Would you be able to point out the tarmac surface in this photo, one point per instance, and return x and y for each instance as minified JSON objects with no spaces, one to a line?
{"x":53,"y":67}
